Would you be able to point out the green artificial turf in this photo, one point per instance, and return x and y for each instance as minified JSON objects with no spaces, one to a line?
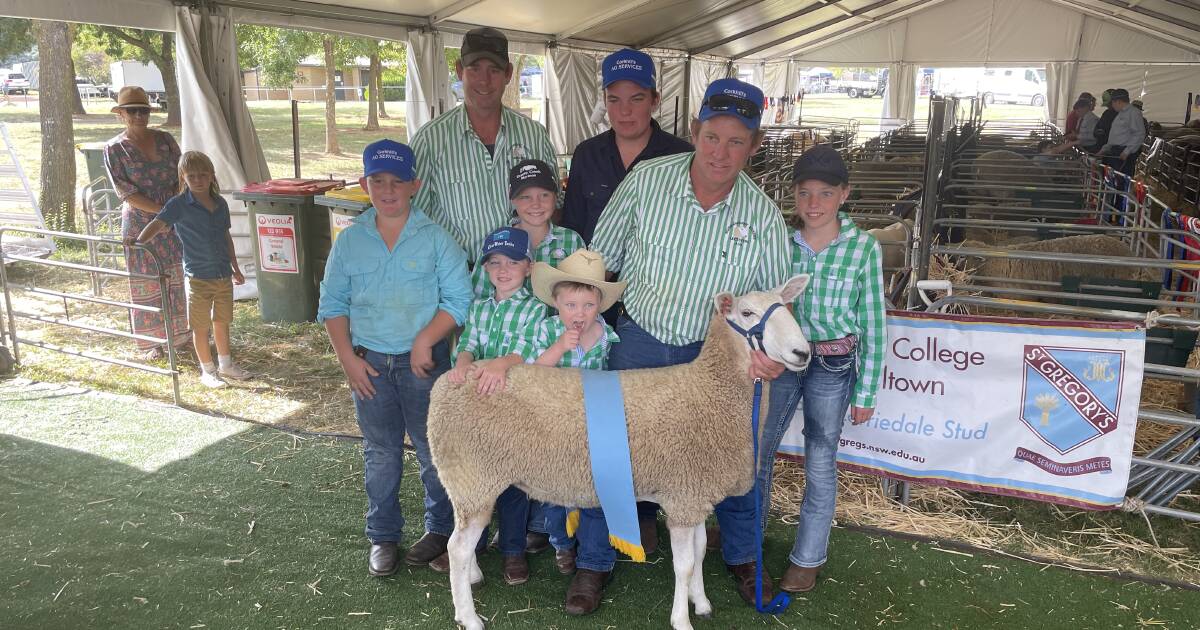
{"x":120,"y":513}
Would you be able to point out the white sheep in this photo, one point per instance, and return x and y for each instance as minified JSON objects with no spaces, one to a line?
{"x":689,"y":441}
{"x":894,"y":241}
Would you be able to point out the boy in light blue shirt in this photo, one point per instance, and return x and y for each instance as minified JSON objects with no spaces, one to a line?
{"x":395,"y":286}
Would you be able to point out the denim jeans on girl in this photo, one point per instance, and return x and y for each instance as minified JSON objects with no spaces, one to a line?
{"x":825,"y":388}
{"x":400,"y":405}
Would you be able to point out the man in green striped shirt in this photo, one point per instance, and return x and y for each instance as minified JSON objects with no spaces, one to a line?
{"x":681,"y":229}
{"x":464,"y":156}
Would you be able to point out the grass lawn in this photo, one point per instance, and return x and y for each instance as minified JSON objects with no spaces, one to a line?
{"x":120,"y":513}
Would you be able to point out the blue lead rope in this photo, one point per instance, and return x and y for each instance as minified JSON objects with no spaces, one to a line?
{"x":782,"y":599}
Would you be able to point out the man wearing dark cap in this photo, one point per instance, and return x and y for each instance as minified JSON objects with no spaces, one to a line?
{"x":1109,"y":114}
{"x":1075,"y":115}
{"x":464,"y":156}
{"x":681,"y":229}
{"x":1126,"y":135}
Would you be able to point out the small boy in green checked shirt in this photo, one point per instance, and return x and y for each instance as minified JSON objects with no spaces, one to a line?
{"x":533,"y":191}
{"x":495,"y":337}
{"x":842,"y":313}
{"x":577,"y":337}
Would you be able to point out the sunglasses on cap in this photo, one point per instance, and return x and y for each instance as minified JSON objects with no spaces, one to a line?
{"x":733,"y":104}
{"x":137,"y":111}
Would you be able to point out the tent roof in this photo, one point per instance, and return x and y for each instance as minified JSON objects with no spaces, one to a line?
{"x":734,"y":29}
{"x":737,"y":29}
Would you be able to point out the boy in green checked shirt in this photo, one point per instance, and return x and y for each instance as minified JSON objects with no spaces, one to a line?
{"x":577,"y":337}
{"x":495,"y":337}
{"x":533,"y":191}
{"x":842,"y":313}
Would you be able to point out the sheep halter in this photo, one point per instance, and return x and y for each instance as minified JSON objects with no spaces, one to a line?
{"x":754,"y":334}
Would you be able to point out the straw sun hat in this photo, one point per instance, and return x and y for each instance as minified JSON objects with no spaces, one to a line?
{"x":584,"y":267}
{"x":131,"y":96}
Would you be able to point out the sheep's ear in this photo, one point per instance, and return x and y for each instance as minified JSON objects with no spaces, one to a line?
{"x":793,"y":287}
{"x":723,"y":302}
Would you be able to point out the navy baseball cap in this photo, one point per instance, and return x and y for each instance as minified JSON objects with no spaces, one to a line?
{"x":388,"y":156}
{"x":733,"y":98}
{"x":529,"y":173}
{"x":510,"y":241}
{"x":629,"y":65}
{"x":821,"y":162}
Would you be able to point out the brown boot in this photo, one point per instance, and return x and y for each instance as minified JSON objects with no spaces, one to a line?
{"x":441,"y":564}
{"x":583,"y":595}
{"x":799,"y":579}
{"x":429,"y":547}
{"x":564,"y":559}
{"x":743,"y":575}
{"x":648,"y":528}
{"x":381,"y":560}
{"x":515,"y":569}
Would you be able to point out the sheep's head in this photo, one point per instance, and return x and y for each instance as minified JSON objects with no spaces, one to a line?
{"x":782,"y":338}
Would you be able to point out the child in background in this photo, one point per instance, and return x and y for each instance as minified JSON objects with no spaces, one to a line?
{"x":577,"y":337}
{"x":496,"y":336}
{"x":533,"y":190}
{"x":200,"y":217}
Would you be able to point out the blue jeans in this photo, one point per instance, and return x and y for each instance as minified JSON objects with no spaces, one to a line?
{"x":512,"y":514}
{"x":637,"y":349}
{"x":551,"y":520}
{"x":825,"y":387}
{"x":400,"y":405}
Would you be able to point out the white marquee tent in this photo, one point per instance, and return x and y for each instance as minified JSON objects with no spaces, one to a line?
{"x":1151,"y":47}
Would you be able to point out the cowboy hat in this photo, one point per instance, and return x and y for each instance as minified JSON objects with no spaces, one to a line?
{"x":584,"y":267}
{"x":131,"y":96}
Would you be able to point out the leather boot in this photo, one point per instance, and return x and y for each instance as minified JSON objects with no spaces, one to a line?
{"x":382,"y":559}
{"x":515,"y":569}
{"x":564,"y":559}
{"x":799,"y":579}
{"x":536,"y":542}
{"x":648,"y":528}
{"x":583,"y":595}
{"x":743,"y":575}
{"x":429,"y":547}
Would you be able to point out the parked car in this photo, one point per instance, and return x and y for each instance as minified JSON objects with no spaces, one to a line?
{"x":1020,"y":86}
{"x":14,"y":82}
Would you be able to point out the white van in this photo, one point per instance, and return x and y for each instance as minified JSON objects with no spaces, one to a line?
{"x":1020,"y":86}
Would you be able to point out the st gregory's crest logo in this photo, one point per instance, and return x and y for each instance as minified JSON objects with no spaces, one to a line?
{"x":1070,"y":397}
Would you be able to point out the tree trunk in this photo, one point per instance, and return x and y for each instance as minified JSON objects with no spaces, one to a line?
{"x":373,"y":95}
{"x":382,"y":96}
{"x":170,"y":81}
{"x":512,"y":91}
{"x":76,"y":99}
{"x":331,"y":140}
{"x":56,"y":82}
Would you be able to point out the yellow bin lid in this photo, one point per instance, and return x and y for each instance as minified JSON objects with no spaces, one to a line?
{"x":353,"y":193}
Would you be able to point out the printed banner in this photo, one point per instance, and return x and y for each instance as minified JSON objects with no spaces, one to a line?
{"x":1039,"y":409}
{"x":277,"y":243}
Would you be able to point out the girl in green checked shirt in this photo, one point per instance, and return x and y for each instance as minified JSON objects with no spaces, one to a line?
{"x":533,"y":191}
{"x":842,"y":314}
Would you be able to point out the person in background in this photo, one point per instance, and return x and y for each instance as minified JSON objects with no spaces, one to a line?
{"x":1126,"y":136}
{"x":1071,"y":127}
{"x":200,"y":217}
{"x":142,"y":164}
{"x":1106,"y":120}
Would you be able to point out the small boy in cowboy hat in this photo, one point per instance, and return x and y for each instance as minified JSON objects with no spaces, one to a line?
{"x":577,"y":337}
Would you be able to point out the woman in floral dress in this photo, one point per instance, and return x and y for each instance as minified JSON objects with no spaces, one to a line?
{"x":143,"y":166}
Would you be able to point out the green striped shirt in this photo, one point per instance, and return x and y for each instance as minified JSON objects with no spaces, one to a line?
{"x":550,"y":329}
{"x":559,"y":243}
{"x":845,"y":297}
{"x":676,"y":256}
{"x":463,"y":187}
{"x":495,"y":330}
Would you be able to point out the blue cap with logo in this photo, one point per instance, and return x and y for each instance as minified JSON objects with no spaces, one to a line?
{"x":629,"y":65}
{"x":388,"y":156}
{"x":510,"y":241}
{"x":731,"y":97}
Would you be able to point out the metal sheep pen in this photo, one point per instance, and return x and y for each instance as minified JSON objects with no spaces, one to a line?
{"x":1047,"y":221}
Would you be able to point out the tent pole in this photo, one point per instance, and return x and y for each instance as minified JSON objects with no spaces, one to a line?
{"x":296,"y":137}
